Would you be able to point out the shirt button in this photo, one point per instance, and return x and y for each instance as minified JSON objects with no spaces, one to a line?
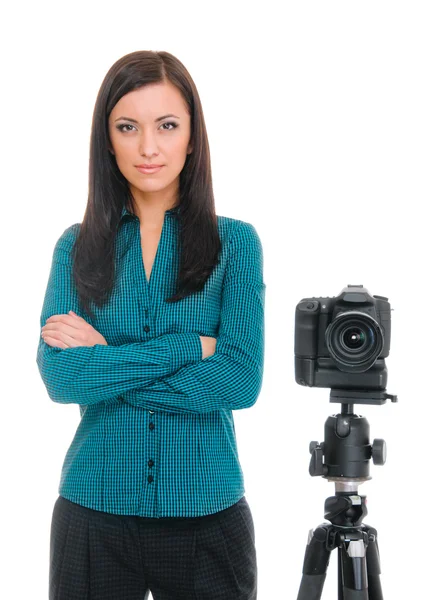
{"x":151,"y":426}
{"x":150,"y":463}
{"x":120,"y":397}
{"x":146,"y":328}
{"x":150,"y":478}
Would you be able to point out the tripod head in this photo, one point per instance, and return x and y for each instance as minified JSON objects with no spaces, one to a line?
{"x":347,"y":453}
{"x":346,"y":449}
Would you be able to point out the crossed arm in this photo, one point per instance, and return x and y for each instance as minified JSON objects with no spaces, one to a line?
{"x":232,"y":377}
{"x":167,"y":373}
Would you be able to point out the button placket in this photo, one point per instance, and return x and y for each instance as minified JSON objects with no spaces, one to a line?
{"x":147,"y":329}
{"x":146,"y":326}
{"x":150,"y":462}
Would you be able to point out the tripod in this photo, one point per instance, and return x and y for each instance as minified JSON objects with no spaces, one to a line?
{"x":347,"y":453}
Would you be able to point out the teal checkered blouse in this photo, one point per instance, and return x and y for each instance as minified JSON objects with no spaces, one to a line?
{"x":156,"y":436}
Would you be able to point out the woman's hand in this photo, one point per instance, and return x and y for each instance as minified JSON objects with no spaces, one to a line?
{"x":208,"y":345}
{"x":69,"y":331}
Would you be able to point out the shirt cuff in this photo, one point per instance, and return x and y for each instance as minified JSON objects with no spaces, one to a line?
{"x":185,"y":348}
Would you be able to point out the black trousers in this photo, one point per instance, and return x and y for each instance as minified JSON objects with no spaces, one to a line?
{"x":101,"y":556}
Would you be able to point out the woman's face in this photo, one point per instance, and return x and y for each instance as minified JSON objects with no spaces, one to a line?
{"x":142,"y":133}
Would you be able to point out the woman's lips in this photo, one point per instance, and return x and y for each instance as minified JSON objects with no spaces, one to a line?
{"x":149,"y":169}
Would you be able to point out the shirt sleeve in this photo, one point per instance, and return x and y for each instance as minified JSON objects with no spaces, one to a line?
{"x":232,"y":377}
{"x":92,"y":374}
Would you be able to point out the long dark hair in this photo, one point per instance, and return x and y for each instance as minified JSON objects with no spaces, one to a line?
{"x":108,"y":190}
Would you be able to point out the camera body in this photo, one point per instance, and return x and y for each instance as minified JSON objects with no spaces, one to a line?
{"x":342,"y":342}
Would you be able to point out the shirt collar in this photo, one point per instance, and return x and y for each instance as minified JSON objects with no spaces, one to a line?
{"x":174,"y":210}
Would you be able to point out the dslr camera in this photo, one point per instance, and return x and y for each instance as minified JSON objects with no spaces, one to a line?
{"x":342,"y":342}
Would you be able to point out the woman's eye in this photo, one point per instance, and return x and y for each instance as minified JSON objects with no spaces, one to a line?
{"x":121,"y":127}
{"x":170,"y":123}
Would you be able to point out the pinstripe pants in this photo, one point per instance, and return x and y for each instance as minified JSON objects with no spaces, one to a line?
{"x":101,"y":556}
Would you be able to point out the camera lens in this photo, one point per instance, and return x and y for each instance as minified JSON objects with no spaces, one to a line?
{"x":353,"y":338}
{"x":354,"y":341}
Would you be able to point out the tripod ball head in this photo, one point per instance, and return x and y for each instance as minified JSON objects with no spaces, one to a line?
{"x":346,"y":450}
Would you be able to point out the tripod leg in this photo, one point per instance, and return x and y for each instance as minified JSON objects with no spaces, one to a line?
{"x":373,"y":565}
{"x":353,"y":570}
{"x":340,"y":574}
{"x":316,"y":561}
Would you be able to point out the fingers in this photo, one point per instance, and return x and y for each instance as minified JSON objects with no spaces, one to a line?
{"x":53,"y":342}
{"x":65,"y":330}
{"x":72,"y":320}
{"x":60,"y":327}
{"x":61,"y":337}
{"x":71,"y":325}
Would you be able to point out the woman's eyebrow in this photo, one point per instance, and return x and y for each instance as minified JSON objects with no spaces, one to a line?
{"x":156,"y":120}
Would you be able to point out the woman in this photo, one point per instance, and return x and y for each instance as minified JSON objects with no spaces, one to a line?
{"x":151,"y":491}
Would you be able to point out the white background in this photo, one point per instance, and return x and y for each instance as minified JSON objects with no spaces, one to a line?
{"x":326,"y":128}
